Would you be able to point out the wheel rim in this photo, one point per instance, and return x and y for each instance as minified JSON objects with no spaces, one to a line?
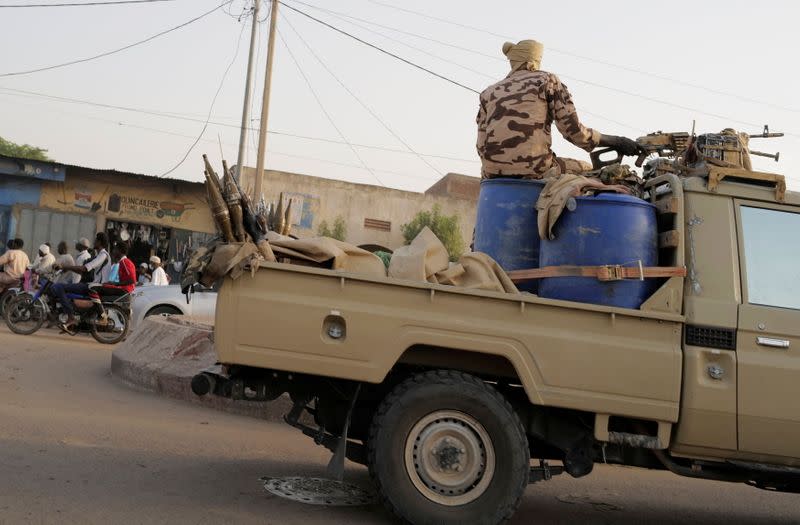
{"x":450,"y":457}
{"x":115,"y":325}
{"x":24,"y":313}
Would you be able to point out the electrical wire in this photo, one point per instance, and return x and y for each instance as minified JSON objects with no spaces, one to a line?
{"x":475,"y":71}
{"x":176,"y":116}
{"x":84,"y":4}
{"x":118,"y":50}
{"x":325,"y":111}
{"x":377,"y":48}
{"x":596,"y":60}
{"x":595,"y":84}
{"x":211,"y":107}
{"x":415,"y":48}
{"x":398,"y":30}
{"x":357,"y":99}
{"x":273,"y":151}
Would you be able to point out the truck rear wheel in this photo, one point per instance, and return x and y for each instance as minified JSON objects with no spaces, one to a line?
{"x":445,"y":447}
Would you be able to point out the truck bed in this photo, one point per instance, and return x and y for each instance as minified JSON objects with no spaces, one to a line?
{"x":572,"y":355}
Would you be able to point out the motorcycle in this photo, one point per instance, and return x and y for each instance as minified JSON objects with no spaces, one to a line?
{"x":7,"y":294}
{"x":107,"y":318}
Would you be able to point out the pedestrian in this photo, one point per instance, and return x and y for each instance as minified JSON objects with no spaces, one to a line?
{"x":144,"y":275}
{"x":515,"y":117}
{"x":95,"y":271}
{"x":159,"y":276}
{"x":14,"y":263}
{"x":65,"y":259}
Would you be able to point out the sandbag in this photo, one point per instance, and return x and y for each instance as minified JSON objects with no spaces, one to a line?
{"x":420,"y":260}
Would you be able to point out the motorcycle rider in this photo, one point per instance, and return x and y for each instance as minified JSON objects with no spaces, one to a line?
{"x":44,"y":263}
{"x":125,"y":279}
{"x":16,"y":262}
{"x":97,"y":268}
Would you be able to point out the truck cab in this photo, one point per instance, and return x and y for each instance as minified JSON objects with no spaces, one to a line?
{"x":741,"y":348}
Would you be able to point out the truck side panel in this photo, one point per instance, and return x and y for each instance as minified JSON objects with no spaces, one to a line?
{"x":566,"y":355}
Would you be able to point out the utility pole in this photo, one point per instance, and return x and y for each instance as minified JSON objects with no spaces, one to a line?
{"x":262,"y":132}
{"x":248,"y":90}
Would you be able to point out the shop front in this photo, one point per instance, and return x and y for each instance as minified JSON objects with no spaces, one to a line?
{"x":155,"y":216}
{"x":49,"y":202}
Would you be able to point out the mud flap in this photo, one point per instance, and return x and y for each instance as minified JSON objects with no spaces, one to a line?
{"x":335,"y":468}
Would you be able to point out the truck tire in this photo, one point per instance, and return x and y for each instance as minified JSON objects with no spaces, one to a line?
{"x":445,"y":447}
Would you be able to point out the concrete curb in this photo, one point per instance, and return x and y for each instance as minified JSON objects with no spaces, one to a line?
{"x":164,"y":353}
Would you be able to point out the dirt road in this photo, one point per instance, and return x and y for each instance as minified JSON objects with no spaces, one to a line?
{"x":76,"y":447}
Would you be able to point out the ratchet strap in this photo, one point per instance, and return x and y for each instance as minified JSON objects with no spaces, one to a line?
{"x":609,"y":272}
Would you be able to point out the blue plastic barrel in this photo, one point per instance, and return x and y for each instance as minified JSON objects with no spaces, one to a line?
{"x":506,"y":227}
{"x":604,"y":229}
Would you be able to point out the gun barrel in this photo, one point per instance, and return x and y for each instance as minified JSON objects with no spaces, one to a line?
{"x":775,"y":156}
{"x":765,"y":135}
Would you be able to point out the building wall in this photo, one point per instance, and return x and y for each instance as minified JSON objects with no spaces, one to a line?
{"x":315,"y":199}
{"x":121,"y":197}
{"x":50,"y":202}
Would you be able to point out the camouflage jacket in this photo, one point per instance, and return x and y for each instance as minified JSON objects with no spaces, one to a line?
{"x":514,"y":122}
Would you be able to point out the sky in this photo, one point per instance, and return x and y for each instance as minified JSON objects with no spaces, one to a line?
{"x":632,"y":69}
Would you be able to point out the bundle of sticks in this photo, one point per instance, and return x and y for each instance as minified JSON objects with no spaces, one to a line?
{"x":233,"y":211}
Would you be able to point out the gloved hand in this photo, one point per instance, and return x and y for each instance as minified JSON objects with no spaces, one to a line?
{"x":623,"y":145}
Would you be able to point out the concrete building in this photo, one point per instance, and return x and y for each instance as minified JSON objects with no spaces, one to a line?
{"x":50,"y":202}
{"x":372,"y":214}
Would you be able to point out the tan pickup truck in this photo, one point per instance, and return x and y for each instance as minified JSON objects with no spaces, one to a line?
{"x":457,"y":399}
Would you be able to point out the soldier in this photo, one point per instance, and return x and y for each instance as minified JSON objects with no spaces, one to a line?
{"x":516,"y":114}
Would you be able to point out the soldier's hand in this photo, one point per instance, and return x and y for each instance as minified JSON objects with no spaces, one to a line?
{"x":623,"y":145}
{"x":628,"y":147}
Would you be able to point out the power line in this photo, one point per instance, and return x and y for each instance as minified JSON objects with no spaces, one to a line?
{"x":415,"y":48}
{"x":211,"y":107}
{"x":451,"y":62}
{"x":410,"y":63}
{"x":610,"y":88}
{"x":397,"y":30}
{"x":174,"y":116}
{"x":322,"y":107}
{"x":273,"y":151}
{"x":107,"y":53}
{"x":84,"y":4}
{"x":595,"y":60}
{"x":357,"y":99}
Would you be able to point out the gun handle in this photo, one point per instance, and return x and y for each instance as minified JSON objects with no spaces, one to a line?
{"x":640,"y":159}
{"x":598,"y":163}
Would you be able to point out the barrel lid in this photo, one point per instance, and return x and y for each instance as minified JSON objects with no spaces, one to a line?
{"x":614,"y":198}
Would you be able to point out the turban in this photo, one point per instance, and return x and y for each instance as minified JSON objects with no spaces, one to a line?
{"x":526,"y":54}
{"x":44,"y":249}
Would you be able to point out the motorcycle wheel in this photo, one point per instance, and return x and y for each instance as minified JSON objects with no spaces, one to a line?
{"x":5,"y":299}
{"x":117,"y":328}
{"x":23,"y":315}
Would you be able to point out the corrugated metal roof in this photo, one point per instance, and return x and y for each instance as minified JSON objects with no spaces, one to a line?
{"x":105,"y":171}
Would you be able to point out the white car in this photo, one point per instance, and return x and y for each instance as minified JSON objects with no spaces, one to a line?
{"x":168,"y":300}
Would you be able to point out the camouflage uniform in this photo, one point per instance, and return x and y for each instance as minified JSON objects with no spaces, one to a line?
{"x":514,"y":121}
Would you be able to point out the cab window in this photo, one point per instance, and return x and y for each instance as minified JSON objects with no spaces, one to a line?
{"x":772,"y":256}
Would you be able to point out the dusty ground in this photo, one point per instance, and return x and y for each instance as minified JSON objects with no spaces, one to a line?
{"x":76,"y":447}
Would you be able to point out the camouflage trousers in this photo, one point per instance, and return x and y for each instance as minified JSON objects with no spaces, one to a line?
{"x":560,"y":166}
